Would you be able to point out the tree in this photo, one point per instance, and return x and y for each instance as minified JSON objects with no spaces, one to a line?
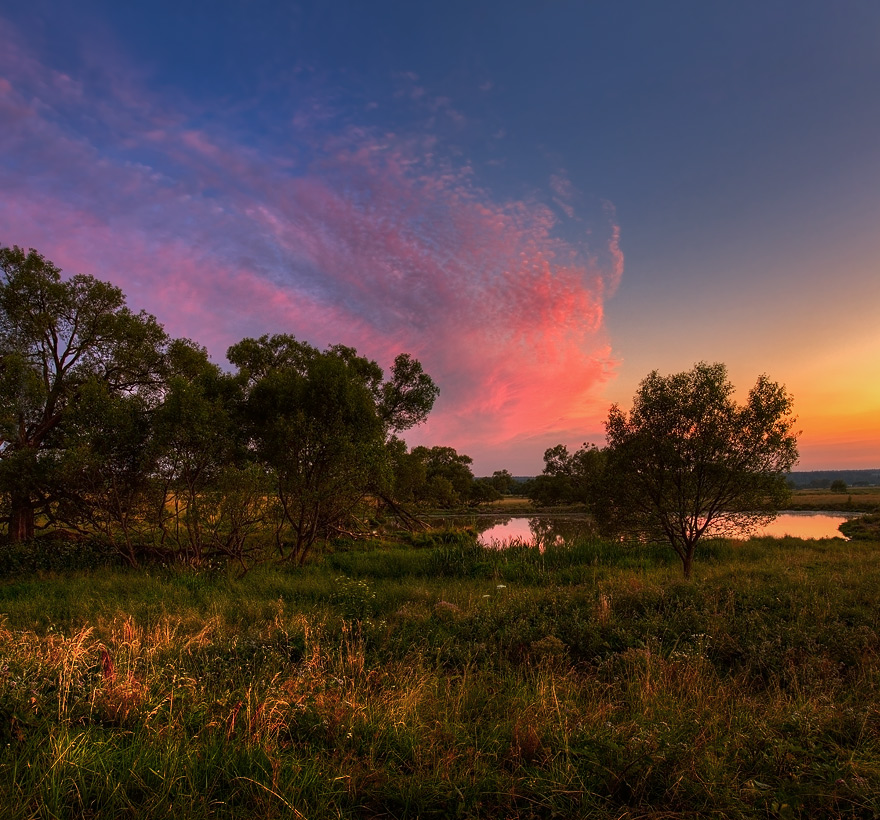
{"x":59,"y":338}
{"x":483,"y":491}
{"x":448,"y":479}
{"x":503,"y":482}
{"x":568,"y":478}
{"x":838,"y":486}
{"x":688,"y":459}
{"x":405,"y":400}
{"x":197,"y":442}
{"x":107,"y":465}
{"x":323,"y":422}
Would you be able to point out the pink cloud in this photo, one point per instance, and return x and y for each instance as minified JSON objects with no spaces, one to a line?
{"x":371,"y":240}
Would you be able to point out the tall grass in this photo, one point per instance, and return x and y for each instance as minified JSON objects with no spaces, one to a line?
{"x":451,"y":680}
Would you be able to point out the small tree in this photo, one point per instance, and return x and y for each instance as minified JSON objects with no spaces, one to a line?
{"x":107,"y":465}
{"x":688,"y":459}
{"x":838,"y":486}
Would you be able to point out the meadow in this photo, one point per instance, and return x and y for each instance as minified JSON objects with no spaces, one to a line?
{"x":862,"y":499}
{"x":431,"y":677}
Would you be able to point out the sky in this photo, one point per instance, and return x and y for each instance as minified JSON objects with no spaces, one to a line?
{"x":541,"y":200}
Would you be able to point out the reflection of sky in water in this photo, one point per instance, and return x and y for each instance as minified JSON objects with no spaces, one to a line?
{"x":515,"y":529}
{"x":806,"y":525}
{"x":799,"y":525}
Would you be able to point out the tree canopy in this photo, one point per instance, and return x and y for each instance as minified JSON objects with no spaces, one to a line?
{"x":689,"y":460}
{"x":323,"y":422}
{"x":568,"y":478}
{"x":59,"y":338}
{"x":112,"y":428}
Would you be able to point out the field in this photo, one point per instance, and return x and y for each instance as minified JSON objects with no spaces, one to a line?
{"x":440,"y":679}
{"x":858,"y":499}
{"x":863,"y":499}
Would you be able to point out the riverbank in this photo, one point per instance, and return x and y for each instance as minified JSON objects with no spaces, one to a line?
{"x":450,"y":680}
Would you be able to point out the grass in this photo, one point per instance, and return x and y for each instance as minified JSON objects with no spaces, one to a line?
{"x":861,"y":499}
{"x":864,"y":528}
{"x":449,"y":680}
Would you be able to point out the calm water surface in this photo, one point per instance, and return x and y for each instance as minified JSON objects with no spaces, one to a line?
{"x":549,"y":529}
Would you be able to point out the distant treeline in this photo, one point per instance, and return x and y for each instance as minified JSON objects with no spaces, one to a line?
{"x":821,"y":479}
{"x":806,"y":479}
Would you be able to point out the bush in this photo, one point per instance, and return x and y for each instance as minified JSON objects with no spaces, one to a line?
{"x":57,"y":552}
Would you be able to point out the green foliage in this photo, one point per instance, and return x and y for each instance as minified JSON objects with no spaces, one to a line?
{"x":107,"y":469}
{"x":354,"y":598}
{"x":461,"y":557}
{"x":201,"y":461}
{"x":56,"y":554}
{"x":568,"y":478}
{"x":59,"y":338}
{"x":838,"y":486}
{"x":448,"y":476}
{"x":863,"y":528}
{"x":405,"y":400}
{"x":503,"y":482}
{"x":109,"y":427}
{"x":688,"y":459}
{"x":483,"y":491}
{"x":441,"y":478}
{"x":321,"y":422}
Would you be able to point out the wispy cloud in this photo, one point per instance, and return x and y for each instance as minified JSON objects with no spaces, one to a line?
{"x":357,"y":236}
{"x":562,"y":186}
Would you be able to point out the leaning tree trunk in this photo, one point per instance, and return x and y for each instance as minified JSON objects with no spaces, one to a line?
{"x":21,"y":518}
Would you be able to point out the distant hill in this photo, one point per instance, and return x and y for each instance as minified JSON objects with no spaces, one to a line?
{"x":819,"y":479}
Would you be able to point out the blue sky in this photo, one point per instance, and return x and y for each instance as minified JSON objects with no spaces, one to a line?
{"x":543,"y":201}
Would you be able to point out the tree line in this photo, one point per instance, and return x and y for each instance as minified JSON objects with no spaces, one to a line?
{"x":110,"y":427}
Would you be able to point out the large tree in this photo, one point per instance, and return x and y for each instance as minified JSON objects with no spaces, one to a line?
{"x":323,"y":422}
{"x":688,"y":459}
{"x":59,"y":338}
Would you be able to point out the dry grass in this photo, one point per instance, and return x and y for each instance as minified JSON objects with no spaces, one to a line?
{"x":865,"y":499}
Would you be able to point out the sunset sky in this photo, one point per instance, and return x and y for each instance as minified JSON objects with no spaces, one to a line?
{"x":542,"y":200}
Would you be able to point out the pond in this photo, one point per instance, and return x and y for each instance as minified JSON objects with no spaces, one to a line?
{"x":556,"y":529}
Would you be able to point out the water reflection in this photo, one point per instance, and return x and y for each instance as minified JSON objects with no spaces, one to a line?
{"x":807,"y":525}
{"x":540,"y":530}
{"x":545,"y":530}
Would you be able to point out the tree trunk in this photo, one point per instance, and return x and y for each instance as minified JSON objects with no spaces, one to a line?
{"x":21,"y":518}
{"x":687,"y":562}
